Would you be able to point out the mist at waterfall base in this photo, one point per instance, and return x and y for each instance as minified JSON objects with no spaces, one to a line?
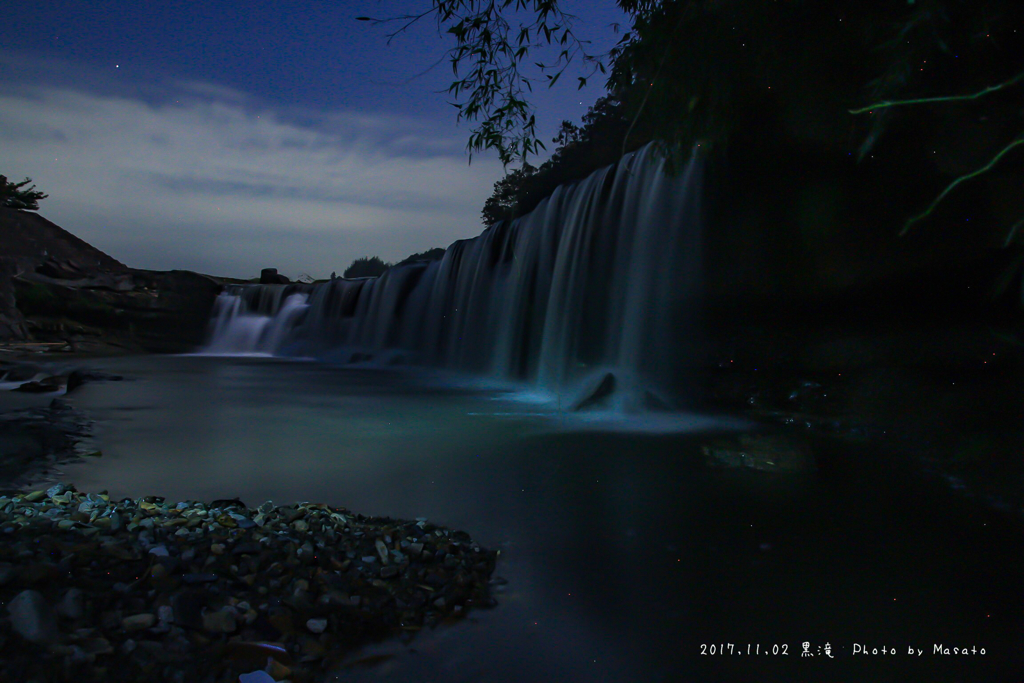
{"x":445,"y":391}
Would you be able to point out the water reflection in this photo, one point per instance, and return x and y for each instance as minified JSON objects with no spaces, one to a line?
{"x":622,"y":549}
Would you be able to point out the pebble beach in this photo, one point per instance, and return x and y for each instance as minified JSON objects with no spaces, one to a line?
{"x":146,"y":589}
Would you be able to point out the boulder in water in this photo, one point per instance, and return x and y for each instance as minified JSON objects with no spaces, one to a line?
{"x":596,"y":395}
{"x":45,"y":385}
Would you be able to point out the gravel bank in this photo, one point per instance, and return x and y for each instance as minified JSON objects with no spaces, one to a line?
{"x":148,"y":590}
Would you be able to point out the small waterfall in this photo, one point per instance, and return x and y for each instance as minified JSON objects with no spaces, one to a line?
{"x":593,"y":291}
{"x":237,"y":329}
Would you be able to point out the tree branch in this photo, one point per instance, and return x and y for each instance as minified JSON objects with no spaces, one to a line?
{"x":949,"y":188}
{"x":489,"y":86}
{"x":950,"y":98}
{"x":1013,"y":232}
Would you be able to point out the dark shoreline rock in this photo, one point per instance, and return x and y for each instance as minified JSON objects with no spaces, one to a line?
{"x":148,"y":590}
{"x":138,"y":310}
{"x":270,"y":276}
{"x":57,"y":289}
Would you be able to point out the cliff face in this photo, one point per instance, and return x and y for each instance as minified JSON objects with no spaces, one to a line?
{"x":54,"y":287}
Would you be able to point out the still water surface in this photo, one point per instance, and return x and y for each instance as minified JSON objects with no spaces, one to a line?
{"x":626,"y":555}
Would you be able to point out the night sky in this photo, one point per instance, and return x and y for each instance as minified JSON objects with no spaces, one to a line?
{"x":226,"y":137}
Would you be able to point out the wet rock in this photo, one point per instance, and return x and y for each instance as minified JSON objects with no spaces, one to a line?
{"x":282,"y":621}
{"x":43,"y":386}
{"x":221,"y":621}
{"x":96,"y":646}
{"x":72,"y":605}
{"x":277,"y":670}
{"x":138,"y":622}
{"x":382,"y":551}
{"x":316,"y":625}
{"x":32,"y":618}
{"x":597,"y":394}
{"x":38,"y":572}
{"x":56,"y":489}
{"x":187,"y":608}
{"x":258,"y":676}
{"x":197,"y":578}
{"x":306,"y":553}
{"x":246,"y":548}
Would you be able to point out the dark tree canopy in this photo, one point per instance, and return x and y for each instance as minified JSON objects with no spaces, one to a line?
{"x":13,"y":196}
{"x":580,"y":151}
{"x":435,"y":254}
{"x":509,"y":195}
{"x":368,"y":266}
{"x":374,"y":266}
{"x":688,"y":68}
{"x":857,"y":79}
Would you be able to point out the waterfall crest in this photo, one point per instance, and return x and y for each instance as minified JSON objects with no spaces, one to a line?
{"x":600,"y":279}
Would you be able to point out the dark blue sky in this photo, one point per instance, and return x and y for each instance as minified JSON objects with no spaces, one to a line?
{"x":228,"y":136}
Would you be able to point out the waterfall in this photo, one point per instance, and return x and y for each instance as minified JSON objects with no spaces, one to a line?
{"x":593,"y":291}
{"x":238,"y":330}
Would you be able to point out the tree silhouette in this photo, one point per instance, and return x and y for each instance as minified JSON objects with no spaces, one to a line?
{"x":368,"y":266}
{"x":13,"y":196}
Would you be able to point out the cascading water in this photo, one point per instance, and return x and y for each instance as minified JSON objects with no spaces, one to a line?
{"x":238,"y":329}
{"x":590,"y":292}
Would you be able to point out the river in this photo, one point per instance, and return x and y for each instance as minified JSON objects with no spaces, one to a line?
{"x":627,"y":556}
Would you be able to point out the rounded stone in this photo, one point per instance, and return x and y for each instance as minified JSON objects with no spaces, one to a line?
{"x":32,"y":618}
{"x":138,"y":622}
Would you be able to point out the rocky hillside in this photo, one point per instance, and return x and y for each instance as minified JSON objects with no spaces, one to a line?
{"x":29,"y":238}
{"x":57,"y":289}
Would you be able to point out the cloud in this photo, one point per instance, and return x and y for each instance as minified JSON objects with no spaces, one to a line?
{"x":198,"y":176}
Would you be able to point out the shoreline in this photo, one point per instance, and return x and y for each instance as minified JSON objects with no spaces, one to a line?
{"x":149,"y":590}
